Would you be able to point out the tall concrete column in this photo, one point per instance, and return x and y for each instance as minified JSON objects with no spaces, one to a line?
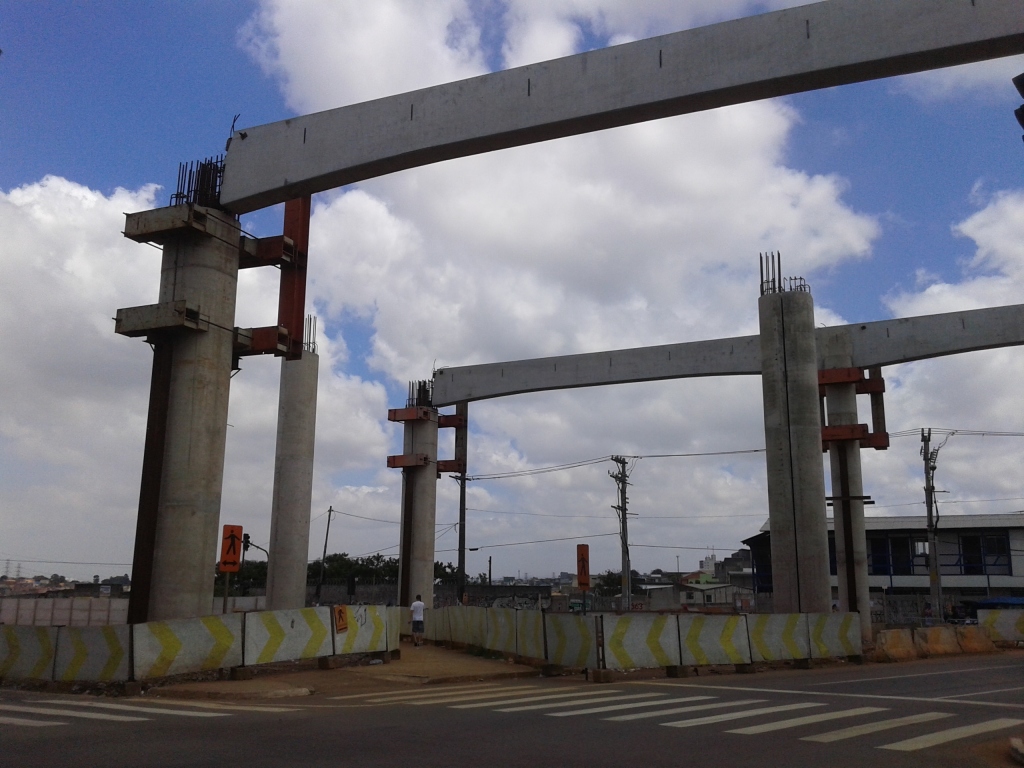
{"x":293,"y":483}
{"x":847,"y":481}
{"x":792,"y":426}
{"x":200,"y":267}
{"x":419,"y":512}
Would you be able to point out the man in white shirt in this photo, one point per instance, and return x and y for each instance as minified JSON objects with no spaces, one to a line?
{"x":416,"y":609}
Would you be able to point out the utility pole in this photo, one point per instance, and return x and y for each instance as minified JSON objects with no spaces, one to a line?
{"x":621,"y":478}
{"x":488,"y":570}
{"x":323,"y":560}
{"x":935,"y":585}
{"x":462,"y":457}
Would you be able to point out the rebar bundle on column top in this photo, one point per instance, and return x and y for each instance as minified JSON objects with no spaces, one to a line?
{"x":420,"y":393}
{"x":772,"y":280}
{"x":309,"y":334}
{"x":199,"y":182}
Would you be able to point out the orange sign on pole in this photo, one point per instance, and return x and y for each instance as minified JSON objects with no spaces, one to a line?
{"x":583,"y":566}
{"x":231,"y":549}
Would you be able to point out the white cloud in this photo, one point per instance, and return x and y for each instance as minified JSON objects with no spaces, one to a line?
{"x":987,"y":79}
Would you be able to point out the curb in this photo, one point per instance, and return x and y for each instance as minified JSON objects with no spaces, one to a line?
{"x":1017,"y":750}
{"x":282,"y":693}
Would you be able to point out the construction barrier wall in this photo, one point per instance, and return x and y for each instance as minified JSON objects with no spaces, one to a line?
{"x":778,"y":636}
{"x":305,"y":633}
{"x":641,"y":640}
{"x":834,"y":634}
{"x":571,"y":639}
{"x":530,"y":634}
{"x":187,"y":645}
{"x":93,"y":653}
{"x":1003,"y":626}
{"x":366,"y":630}
{"x":393,"y":620}
{"x":713,"y":639}
{"x":63,"y":611}
{"x":27,"y":653}
{"x":501,"y":630}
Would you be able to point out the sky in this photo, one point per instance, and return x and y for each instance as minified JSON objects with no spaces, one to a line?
{"x":892,"y":198}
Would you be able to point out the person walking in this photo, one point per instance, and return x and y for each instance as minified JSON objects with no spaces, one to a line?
{"x":416,"y":610}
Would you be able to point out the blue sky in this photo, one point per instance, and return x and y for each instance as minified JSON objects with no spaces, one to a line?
{"x":879,"y":181}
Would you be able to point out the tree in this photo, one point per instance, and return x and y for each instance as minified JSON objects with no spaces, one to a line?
{"x":608,"y":584}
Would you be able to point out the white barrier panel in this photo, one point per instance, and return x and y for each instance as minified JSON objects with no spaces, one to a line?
{"x":778,"y":636}
{"x":1003,"y":625}
{"x":26,"y":653}
{"x":366,"y":630}
{"x":394,"y":625}
{"x":303,"y":633}
{"x":530,"y":634}
{"x":834,"y":634}
{"x":435,"y":625}
{"x":571,"y":640}
{"x":43,"y":613}
{"x":81,"y":611}
{"x":188,"y":645}
{"x":62,"y":612}
{"x":118,"y":611}
{"x":468,"y":625}
{"x":8,"y":610}
{"x":713,"y":639}
{"x":92,"y":653}
{"x":641,"y":641}
{"x":501,"y":630}
{"x":26,"y":612}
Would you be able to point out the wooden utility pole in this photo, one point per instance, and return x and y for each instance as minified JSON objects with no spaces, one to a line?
{"x":621,"y":478}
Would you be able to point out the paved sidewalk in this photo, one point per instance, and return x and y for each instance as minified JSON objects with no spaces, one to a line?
{"x":424,"y":665}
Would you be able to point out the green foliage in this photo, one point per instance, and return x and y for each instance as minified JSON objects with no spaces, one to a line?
{"x":374,"y":569}
{"x":608,"y":584}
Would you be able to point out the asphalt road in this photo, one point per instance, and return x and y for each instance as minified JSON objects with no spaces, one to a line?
{"x":941,"y":712}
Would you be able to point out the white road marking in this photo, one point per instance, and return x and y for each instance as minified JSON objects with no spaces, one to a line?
{"x":456,"y":697}
{"x":681,"y":710}
{"x":129,"y":708}
{"x":163,"y":702}
{"x":71,"y":713}
{"x":30,"y":723}
{"x":571,"y":703}
{"x":985,"y":693}
{"x":926,"y":699}
{"x":916,"y":674}
{"x":738,"y":715}
{"x":635,"y":705}
{"x":545,"y":697}
{"x":796,"y":722}
{"x":438,"y":691}
{"x":941,"y":737}
{"x":881,"y":725}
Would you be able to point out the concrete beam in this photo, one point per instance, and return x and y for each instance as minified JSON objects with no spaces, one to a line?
{"x":790,"y":51}
{"x":722,"y":357}
{"x":884,"y":342}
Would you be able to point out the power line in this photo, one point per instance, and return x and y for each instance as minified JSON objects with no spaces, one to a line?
{"x":537,"y":541}
{"x":606,"y":517}
{"x":951,"y":432}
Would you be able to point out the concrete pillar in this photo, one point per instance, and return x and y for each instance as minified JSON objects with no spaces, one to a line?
{"x":293,"y":483}
{"x":844,"y":458}
{"x":419,"y":512}
{"x":202,"y":268}
{"x":792,"y":426}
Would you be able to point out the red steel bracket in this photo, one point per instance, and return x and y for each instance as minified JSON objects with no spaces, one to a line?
{"x":452,"y":420}
{"x":455,"y":466}
{"x":416,"y":413}
{"x":408,"y":460}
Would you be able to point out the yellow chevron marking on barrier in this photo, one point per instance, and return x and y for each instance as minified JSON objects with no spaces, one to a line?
{"x":693,"y":640}
{"x":81,"y":654}
{"x":511,"y":639}
{"x":1020,"y":625}
{"x":559,"y":642}
{"x":726,"y":639}
{"x":990,"y":624}
{"x":844,"y":633}
{"x":615,"y":642}
{"x":581,"y":661}
{"x":317,"y":628}
{"x":170,"y":647}
{"x":13,"y":651}
{"x":116,"y":653}
{"x":654,"y":641}
{"x":276,"y":637}
{"x":45,"y":653}
{"x":819,"y":629}
{"x":378,"y":628}
{"x":789,"y":638}
{"x":222,"y":641}
{"x":538,"y":636}
{"x":353,"y":631}
{"x":760,"y":625}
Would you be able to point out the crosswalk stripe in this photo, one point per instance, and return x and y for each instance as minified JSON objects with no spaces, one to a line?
{"x":129,"y":708}
{"x":634,"y":705}
{"x":213,"y":705}
{"x":571,"y":703}
{"x":531,"y":699}
{"x":952,"y":734}
{"x":30,"y":723}
{"x":71,"y":713}
{"x":795,"y":722}
{"x":404,"y":694}
{"x":457,"y":697}
{"x":681,"y":710}
{"x":745,"y":713}
{"x":881,"y":725}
